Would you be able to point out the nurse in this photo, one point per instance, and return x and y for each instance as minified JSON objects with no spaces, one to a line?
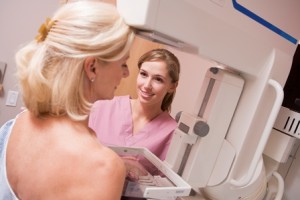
{"x":144,"y":121}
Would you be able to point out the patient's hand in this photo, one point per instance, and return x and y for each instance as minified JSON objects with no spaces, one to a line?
{"x":134,"y":168}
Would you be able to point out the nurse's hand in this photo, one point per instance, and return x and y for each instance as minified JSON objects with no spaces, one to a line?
{"x":134,"y":168}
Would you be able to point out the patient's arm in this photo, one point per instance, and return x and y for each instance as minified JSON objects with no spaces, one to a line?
{"x":134,"y":168}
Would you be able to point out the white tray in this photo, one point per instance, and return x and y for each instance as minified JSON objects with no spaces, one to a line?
{"x":176,"y":186}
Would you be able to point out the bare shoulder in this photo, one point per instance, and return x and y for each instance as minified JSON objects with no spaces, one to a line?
{"x":109,"y":161}
{"x":90,"y":171}
{"x":99,"y":173}
{"x":108,"y":174}
{"x":63,"y":162}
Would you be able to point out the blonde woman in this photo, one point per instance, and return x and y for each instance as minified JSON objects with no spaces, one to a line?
{"x":48,"y":151}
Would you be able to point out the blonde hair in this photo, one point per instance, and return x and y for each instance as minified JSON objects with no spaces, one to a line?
{"x":51,"y":71}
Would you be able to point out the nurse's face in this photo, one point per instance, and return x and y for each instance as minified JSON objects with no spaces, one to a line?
{"x":153,"y":83}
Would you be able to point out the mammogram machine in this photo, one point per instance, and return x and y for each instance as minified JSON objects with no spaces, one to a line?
{"x":247,"y":114}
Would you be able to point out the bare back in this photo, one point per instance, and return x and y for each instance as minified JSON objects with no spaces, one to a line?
{"x":56,"y":158}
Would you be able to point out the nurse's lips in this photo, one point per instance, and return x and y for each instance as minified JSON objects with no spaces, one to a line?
{"x":146,"y":94}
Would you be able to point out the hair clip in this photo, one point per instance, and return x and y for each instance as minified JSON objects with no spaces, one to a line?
{"x":44,"y":30}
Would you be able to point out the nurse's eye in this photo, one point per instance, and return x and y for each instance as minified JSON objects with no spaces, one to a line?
{"x":143,"y":74}
{"x":158,"y":79}
{"x":124,"y":65}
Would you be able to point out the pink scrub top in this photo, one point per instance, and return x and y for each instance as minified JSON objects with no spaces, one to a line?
{"x":112,"y":122}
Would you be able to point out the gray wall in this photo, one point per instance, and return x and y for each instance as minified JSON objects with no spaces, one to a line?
{"x":19,"y":23}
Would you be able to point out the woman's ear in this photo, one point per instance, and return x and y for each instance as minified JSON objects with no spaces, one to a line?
{"x":89,"y":67}
{"x":173,"y":87}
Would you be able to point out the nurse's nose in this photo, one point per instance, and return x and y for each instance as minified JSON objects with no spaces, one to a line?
{"x":148,"y":84}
